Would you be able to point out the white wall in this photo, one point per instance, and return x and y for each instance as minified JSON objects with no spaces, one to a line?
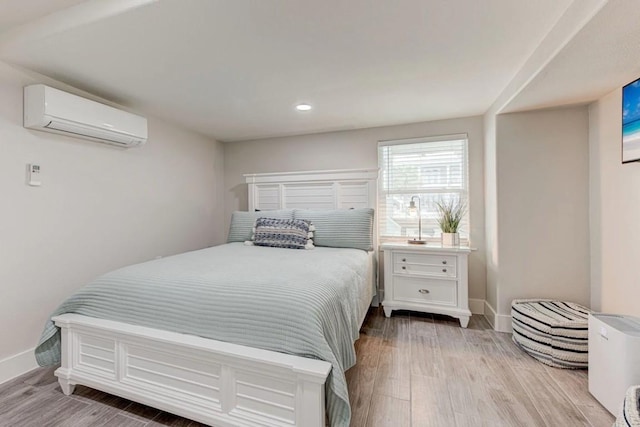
{"x":615,"y":213}
{"x":357,"y":149}
{"x":542,"y":195}
{"x":98,"y":208}
{"x":491,"y":216}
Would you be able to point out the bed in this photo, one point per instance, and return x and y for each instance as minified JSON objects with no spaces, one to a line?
{"x":232,"y":335}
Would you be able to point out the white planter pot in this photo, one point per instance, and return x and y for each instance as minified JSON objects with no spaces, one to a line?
{"x":450,"y":239}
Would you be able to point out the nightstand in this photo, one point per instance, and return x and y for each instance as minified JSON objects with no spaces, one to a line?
{"x":430,"y":279}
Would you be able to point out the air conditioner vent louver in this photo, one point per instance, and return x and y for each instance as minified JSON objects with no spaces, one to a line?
{"x":104,"y":135}
{"x":51,"y":110}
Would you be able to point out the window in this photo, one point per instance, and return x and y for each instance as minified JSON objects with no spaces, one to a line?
{"x":435,"y":169}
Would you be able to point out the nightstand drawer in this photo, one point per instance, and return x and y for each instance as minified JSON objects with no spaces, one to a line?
{"x":425,"y":265}
{"x":424,"y":270}
{"x":425,"y":259}
{"x":429,"y":291}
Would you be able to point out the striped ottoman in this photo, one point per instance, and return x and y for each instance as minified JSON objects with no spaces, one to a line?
{"x":630,"y":413}
{"x":554,"y":332}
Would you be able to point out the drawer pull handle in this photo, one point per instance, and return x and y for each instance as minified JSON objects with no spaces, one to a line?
{"x":404,"y":267}
{"x":444,"y":270}
{"x":444,"y":262}
{"x":404,"y":260}
{"x":423,"y":291}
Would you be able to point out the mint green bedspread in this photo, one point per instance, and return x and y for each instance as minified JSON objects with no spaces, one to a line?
{"x":303,"y":302}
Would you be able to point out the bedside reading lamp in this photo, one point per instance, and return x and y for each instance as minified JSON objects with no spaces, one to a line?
{"x":414,"y":208}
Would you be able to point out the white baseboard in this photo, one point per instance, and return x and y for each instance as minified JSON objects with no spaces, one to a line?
{"x":476,"y":305}
{"x":503,"y":323}
{"x":16,"y":365}
{"x":499,"y":322}
{"x":490,"y":314}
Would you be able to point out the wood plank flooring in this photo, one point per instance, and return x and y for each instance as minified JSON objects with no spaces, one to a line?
{"x":413,"y":370}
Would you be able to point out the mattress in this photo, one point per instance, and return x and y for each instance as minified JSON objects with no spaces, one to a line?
{"x":309,"y":303}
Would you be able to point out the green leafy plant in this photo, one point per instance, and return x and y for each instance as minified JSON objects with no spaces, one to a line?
{"x":451,"y":213}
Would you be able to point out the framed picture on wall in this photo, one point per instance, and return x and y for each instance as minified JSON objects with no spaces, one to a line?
{"x":631,"y":122}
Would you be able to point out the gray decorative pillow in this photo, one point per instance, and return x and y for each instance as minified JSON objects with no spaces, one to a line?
{"x":242,"y":223}
{"x":283,"y":233}
{"x":344,"y":228}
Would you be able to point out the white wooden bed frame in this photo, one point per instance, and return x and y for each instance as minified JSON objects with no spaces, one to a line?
{"x":210,"y":381}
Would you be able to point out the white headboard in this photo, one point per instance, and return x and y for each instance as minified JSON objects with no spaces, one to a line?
{"x":333,"y":189}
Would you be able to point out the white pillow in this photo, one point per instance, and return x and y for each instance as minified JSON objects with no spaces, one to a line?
{"x":343,"y":228}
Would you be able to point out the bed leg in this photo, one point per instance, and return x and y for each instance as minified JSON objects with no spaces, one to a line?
{"x":66,"y":386}
{"x":66,"y":353}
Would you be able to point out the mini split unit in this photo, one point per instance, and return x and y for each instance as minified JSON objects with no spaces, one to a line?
{"x":52,"y":110}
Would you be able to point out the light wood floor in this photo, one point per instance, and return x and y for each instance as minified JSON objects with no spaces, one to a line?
{"x":413,"y":370}
{"x":420,"y":370}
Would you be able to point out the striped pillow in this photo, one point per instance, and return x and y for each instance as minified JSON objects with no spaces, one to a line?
{"x":242,"y":223}
{"x":283,"y":233}
{"x":345,"y":228}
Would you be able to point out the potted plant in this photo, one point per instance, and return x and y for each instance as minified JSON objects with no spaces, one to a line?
{"x":450,"y":216}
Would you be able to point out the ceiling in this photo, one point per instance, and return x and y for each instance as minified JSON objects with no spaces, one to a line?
{"x":602,"y":56}
{"x":15,"y":13}
{"x":235,"y":69}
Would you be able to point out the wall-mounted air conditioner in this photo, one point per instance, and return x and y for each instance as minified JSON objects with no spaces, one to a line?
{"x":52,"y":110}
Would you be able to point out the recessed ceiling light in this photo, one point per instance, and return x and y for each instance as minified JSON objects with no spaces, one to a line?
{"x":303,"y":107}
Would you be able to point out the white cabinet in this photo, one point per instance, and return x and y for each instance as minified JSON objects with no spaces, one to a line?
{"x":431,"y":279}
{"x":614,"y":358}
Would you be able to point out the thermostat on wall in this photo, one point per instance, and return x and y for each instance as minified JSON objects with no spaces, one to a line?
{"x":33,"y":175}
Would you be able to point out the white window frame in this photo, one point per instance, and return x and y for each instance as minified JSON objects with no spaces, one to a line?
{"x":464,"y":193}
